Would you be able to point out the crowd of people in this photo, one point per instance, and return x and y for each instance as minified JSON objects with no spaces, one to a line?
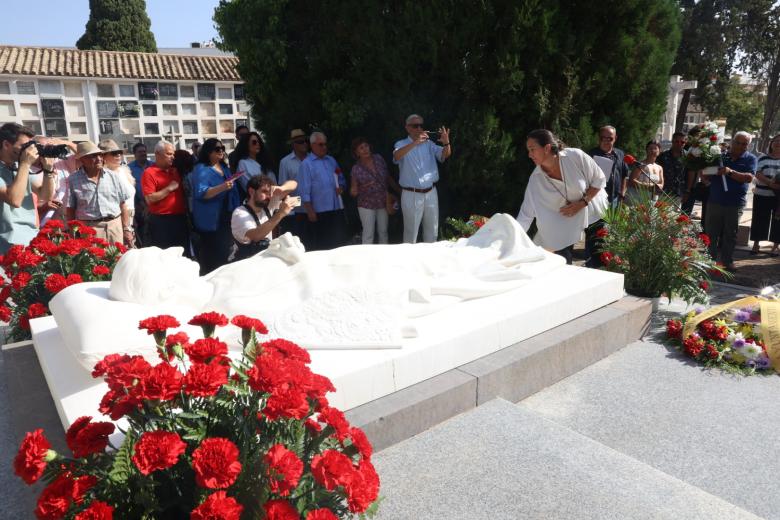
{"x":220,"y":207}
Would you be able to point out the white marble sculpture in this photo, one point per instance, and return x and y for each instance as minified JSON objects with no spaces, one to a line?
{"x":350,"y":297}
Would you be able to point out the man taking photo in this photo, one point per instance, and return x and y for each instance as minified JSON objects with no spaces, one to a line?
{"x":253,"y":223}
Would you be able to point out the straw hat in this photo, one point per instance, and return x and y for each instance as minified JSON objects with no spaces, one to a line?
{"x":87,"y":148}
{"x":296,"y":134}
{"x":109,"y":145}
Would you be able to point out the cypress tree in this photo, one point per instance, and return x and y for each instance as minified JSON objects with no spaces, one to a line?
{"x":118,"y":25}
{"x":491,"y":71}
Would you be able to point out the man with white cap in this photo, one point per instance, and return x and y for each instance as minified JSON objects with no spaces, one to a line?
{"x":96,"y":196}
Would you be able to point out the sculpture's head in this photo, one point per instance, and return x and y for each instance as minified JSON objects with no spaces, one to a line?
{"x":153,"y":276}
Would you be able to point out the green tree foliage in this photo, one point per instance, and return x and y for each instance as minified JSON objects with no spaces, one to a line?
{"x":760,"y":31}
{"x":491,"y":70}
{"x":118,"y":25}
{"x":707,"y":51}
{"x":742,"y":106}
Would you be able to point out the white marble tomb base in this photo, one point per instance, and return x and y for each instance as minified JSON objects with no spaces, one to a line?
{"x":450,"y":338}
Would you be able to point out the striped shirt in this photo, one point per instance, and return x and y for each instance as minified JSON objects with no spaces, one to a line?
{"x":95,"y":200}
{"x":769,"y":168}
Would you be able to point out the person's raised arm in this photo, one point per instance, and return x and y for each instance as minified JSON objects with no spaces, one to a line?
{"x":13,"y":194}
{"x":399,"y":153}
{"x":261,"y":231}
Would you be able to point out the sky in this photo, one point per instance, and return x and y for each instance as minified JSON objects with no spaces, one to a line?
{"x":175,"y":23}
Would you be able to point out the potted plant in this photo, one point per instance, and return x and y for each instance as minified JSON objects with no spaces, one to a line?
{"x":659,"y":250}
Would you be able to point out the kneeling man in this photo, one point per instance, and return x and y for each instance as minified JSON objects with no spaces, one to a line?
{"x":254,"y":221}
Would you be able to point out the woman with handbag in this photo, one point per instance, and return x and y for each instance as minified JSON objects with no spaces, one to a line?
{"x":565,"y":194}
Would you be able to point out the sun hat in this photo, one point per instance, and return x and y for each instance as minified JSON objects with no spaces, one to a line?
{"x":109,"y":145}
{"x":85,"y":148}
{"x":296,"y":134}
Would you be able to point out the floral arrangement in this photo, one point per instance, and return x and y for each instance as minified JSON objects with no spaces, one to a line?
{"x":730,"y":340}
{"x":207,"y":437}
{"x":460,"y":228}
{"x":658,"y":249}
{"x":55,"y":259}
{"x":704,"y":148}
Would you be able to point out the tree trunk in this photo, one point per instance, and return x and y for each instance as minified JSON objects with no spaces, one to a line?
{"x":771,"y":106}
{"x":679,"y":123}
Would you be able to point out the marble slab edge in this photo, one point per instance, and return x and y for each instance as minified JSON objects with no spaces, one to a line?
{"x":512,"y":373}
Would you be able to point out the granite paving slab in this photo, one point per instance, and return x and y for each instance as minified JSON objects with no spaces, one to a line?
{"x":502,"y":461}
{"x":711,"y":429}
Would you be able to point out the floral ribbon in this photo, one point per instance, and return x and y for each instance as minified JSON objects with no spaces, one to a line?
{"x":770,"y":323}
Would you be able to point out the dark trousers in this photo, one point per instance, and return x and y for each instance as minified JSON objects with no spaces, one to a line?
{"x":700,"y":192}
{"x":722,"y":226}
{"x":328,"y":232}
{"x":566,"y":253}
{"x":168,"y":231}
{"x":764,"y":224}
{"x":215,"y":247}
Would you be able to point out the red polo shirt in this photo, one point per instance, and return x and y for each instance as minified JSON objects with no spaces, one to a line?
{"x":155,"y":179}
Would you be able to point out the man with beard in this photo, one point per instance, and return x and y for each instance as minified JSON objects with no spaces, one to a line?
{"x":254,"y":221}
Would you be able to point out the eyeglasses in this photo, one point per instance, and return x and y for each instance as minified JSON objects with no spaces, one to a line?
{"x":254,"y":141}
{"x":219,"y":148}
{"x":416,"y":125}
{"x":300,"y":141}
{"x":320,"y":144}
{"x":115,"y":154}
{"x":606,"y":138}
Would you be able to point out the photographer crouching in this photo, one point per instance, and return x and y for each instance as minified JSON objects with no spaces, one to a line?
{"x":18,"y":152}
{"x":254,"y":222}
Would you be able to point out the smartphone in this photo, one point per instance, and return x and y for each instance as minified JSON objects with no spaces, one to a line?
{"x":293,"y":202}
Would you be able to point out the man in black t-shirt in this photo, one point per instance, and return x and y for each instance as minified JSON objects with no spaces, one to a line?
{"x":617,"y":178}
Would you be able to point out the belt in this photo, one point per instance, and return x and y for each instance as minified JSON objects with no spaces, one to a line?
{"x":417,"y":190}
{"x":101,"y":219}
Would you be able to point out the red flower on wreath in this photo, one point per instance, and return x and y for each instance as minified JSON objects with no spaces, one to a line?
{"x":158,"y":326}
{"x":693,"y":345}
{"x":162,"y":383}
{"x":208,"y":321}
{"x":55,"y":282}
{"x":284,"y":469}
{"x":321,"y":514}
{"x":20,"y":280}
{"x":5,"y":314}
{"x":203,"y":380}
{"x":206,"y":350}
{"x":97,"y":510}
{"x":101,"y":270}
{"x":361,"y":442}
{"x":85,"y":437}
{"x":363,"y":488}
{"x":157,"y":450}
{"x":174,"y":345}
{"x":606,"y":257}
{"x":331,"y":469}
{"x":705,"y":239}
{"x":245,"y":322}
{"x":674,"y":328}
{"x":216,"y":463}
{"x":98,"y":252}
{"x":74,"y":278}
{"x":218,"y":506}
{"x":30,"y":462}
{"x":71,"y":246}
{"x":36,"y":310}
{"x":602,"y":232}
{"x":56,"y":498}
{"x":683,"y":219}
{"x":280,"y":510}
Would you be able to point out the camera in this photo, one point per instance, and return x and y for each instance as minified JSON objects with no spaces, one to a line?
{"x":56,"y":151}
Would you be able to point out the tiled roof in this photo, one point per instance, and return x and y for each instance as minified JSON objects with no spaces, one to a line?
{"x":42,"y":61}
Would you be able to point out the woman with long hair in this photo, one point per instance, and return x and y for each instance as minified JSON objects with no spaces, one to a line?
{"x":214,"y":197}
{"x":251,"y":159}
{"x":565,"y":194}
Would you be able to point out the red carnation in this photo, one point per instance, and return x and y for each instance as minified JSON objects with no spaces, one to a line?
{"x":713,"y":138}
{"x":321,"y":514}
{"x":162,"y":383}
{"x":363,"y":489}
{"x":674,"y":328}
{"x":602,"y":232}
{"x":332,"y":469}
{"x":30,"y":461}
{"x":218,"y":506}
{"x":56,"y":498}
{"x":174,"y":345}
{"x":208,"y":321}
{"x":97,"y":510}
{"x":683,"y":219}
{"x":705,"y":239}
{"x":361,"y":442}
{"x":606,"y":257}
{"x":287,"y":349}
{"x":703,"y":285}
{"x":245,"y":322}
{"x":97,"y":252}
{"x":215,"y":463}
{"x":290,"y":403}
{"x":85,"y":437}
{"x":5,"y":314}
{"x":280,"y":510}
{"x":20,"y":280}
{"x":70,"y":247}
{"x":157,"y":450}
{"x":74,"y":278}
{"x":693,"y":346}
{"x":284,"y":469}
{"x":334,"y":418}
{"x":203,"y":380}
{"x":54,"y":224}
{"x":36,"y":310}
{"x":55,"y":282}
{"x":101,"y":270}
{"x":158,"y":324}
{"x":206,"y":350}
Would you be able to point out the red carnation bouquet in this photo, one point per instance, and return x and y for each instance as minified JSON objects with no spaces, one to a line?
{"x":463,"y":228}
{"x":55,"y":259}
{"x":208,"y":437}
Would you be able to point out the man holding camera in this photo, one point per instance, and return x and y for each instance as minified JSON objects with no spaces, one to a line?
{"x":253,"y":223}
{"x":18,"y":219}
{"x":416,"y":157}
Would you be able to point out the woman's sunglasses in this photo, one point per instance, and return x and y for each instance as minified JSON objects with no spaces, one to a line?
{"x":219,"y":148}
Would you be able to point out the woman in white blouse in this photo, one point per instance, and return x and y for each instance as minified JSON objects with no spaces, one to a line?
{"x":565,"y":194}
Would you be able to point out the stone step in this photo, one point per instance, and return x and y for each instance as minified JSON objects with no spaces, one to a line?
{"x":503,"y":461}
{"x":715,"y":431}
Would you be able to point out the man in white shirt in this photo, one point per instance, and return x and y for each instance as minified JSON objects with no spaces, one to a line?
{"x":253,"y":223}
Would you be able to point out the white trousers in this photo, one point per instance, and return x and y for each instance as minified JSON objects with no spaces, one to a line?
{"x":420,"y":208}
{"x":370,"y":218}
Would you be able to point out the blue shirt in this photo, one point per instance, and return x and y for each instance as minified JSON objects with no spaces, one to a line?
{"x":418,"y":167}
{"x":207,"y":213}
{"x":17,"y":225}
{"x":288,"y":171}
{"x":317,"y":182}
{"x":736,"y":195}
{"x":137,"y":170}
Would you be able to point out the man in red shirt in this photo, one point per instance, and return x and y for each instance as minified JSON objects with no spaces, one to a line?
{"x":166,"y":202}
